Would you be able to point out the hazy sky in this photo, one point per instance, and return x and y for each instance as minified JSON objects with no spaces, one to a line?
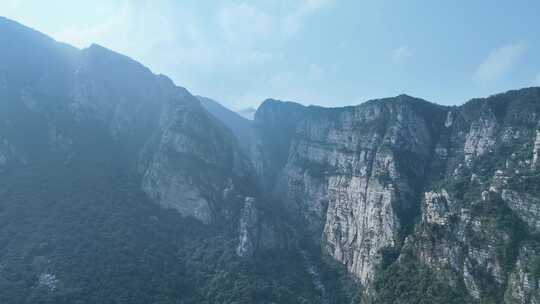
{"x":327,"y":52}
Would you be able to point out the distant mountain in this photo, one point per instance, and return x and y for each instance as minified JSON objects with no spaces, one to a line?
{"x":248,"y":113}
{"x":241,"y":127}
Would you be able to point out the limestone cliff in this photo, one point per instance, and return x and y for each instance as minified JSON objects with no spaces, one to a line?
{"x":354,"y":175}
{"x":457,"y":185}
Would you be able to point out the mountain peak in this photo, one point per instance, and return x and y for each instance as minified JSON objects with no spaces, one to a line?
{"x":11,"y":29}
{"x":276,"y":103}
{"x":99,"y":50}
{"x":247,"y":113}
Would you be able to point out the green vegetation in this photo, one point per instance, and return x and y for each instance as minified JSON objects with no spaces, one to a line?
{"x":91,"y":227}
{"x":410,"y":282}
{"x":535,"y":267}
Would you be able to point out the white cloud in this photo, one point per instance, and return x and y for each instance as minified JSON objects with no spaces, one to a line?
{"x":401,"y":54}
{"x":9,"y":7}
{"x":292,"y":23}
{"x":244,"y":23}
{"x":137,"y":29}
{"x":201,"y":50}
{"x":498,"y":62}
{"x":315,"y":72}
{"x":115,"y":28}
{"x":12,"y":4}
{"x":13,"y":9}
{"x":247,"y":22}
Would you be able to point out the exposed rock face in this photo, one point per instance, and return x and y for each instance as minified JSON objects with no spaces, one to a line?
{"x":347,"y":177}
{"x":248,"y":229}
{"x":536,"y":151}
{"x":524,"y":282}
{"x":5,"y":152}
{"x":185,"y":172}
{"x":259,"y":231}
{"x":358,"y":229}
{"x":175,"y":192}
{"x":436,"y":207}
{"x":185,"y":157}
{"x":48,"y":281}
{"x":358,"y":178}
{"x":479,"y":139}
{"x":525,"y":206}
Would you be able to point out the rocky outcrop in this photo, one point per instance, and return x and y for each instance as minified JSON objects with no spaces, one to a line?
{"x":437,"y":208}
{"x":525,"y":206}
{"x":174,"y":191}
{"x":47,"y":281}
{"x":480,"y":138}
{"x":247,"y":229}
{"x":536,"y":150}
{"x":185,"y":172}
{"x":524,"y":281}
{"x":5,"y":153}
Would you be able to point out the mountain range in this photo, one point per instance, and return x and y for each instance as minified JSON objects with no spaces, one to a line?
{"x":118,"y":186}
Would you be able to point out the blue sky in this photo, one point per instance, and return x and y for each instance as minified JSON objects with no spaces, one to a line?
{"x":326,"y":52}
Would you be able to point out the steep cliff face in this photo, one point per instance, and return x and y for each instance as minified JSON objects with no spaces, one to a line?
{"x":187,"y":159}
{"x":488,"y":216}
{"x":354,"y":175}
{"x":195,"y":166}
{"x":455,"y":185}
{"x":523,"y":282}
{"x":536,"y":152}
{"x":275,"y":124}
